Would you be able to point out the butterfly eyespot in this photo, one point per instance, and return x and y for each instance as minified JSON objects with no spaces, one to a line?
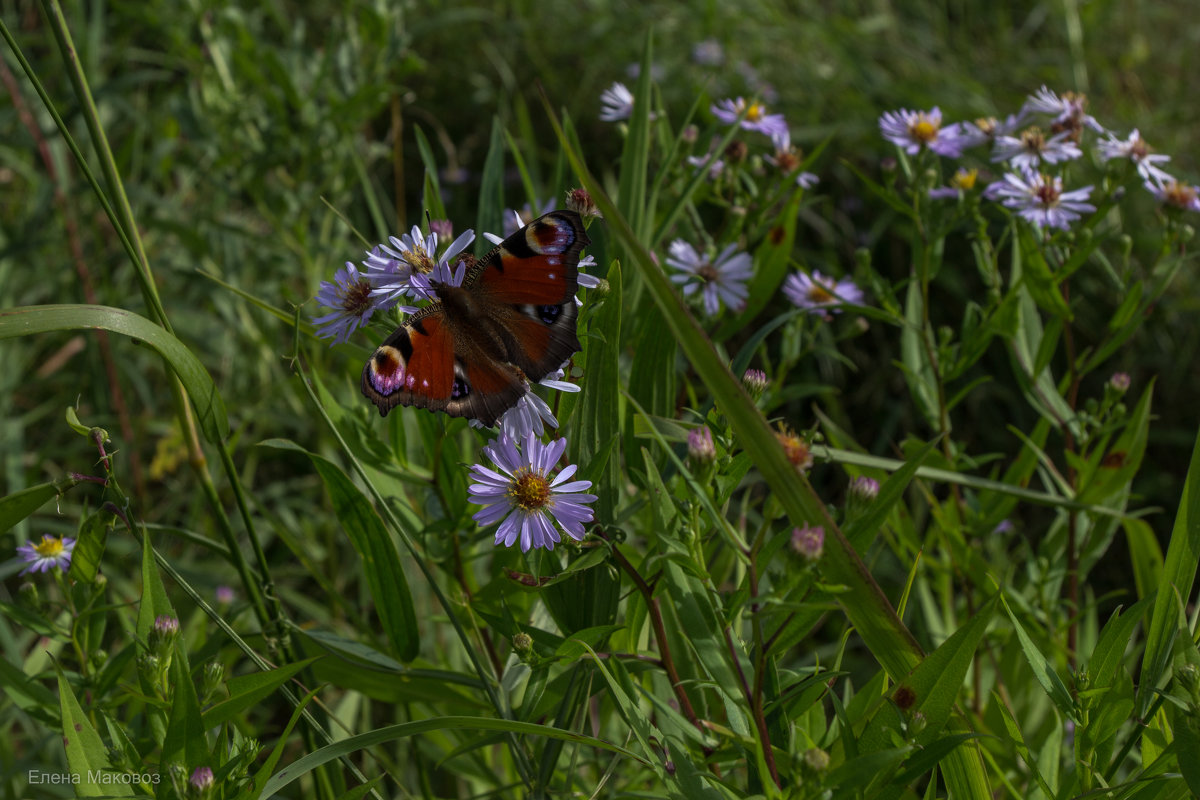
{"x":460,"y":389}
{"x":548,"y":314}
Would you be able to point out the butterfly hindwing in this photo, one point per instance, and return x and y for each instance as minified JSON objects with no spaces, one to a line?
{"x":414,"y":366}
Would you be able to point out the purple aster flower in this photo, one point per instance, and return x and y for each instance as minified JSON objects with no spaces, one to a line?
{"x":700,"y":448}
{"x":807,"y":180}
{"x":815,"y":292}
{"x":616,"y":103}
{"x":1032,"y":148}
{"x":1068,"y":110}
{"x":756,"y":119}
{"x":1136,"y":150}
{"x":523,"y":498}
{"x":1040,"y":198}
{"x":1175,"y":193}
{"x":809,"y":542}
{"x":912,"y":130}
{"x":392,"y":270}
{"x":722,"y":279}
{"x":349,"y":295}
{"x":52,"y":551}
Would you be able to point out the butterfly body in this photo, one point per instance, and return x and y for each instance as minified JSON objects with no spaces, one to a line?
{"x":511,"y":321}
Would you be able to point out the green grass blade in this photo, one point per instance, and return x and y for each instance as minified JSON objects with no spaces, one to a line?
{"x":381,"y":562}
{"x":87,"y":757}
{"x":19,"y":505}
{"x":1179,"y":572}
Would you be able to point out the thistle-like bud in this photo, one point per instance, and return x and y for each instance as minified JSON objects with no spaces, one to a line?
{"x":809,"y":542}
{"x":1119,"y":382}
{"x":755,"y":381}
{"x":701,"y":450}
{"x":163,"y":634}
{"x":211,"y":679}
{"x":522,"y":644}
{"x":579,"y":201}
{"x":201,"y":782}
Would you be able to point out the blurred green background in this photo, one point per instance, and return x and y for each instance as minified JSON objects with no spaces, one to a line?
{"x":254,"y":137}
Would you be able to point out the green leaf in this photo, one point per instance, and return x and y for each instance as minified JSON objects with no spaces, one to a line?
{"x":1179,"y":572}
{"x":1145,"y":556}
{"x":185,"y":732}
{"x":89,"y":546}
{"x":1114,"y":639}
{"x":918,"y":371}
{"x":87,"y":757}
{"x":491,"y":190}
{"x":381,"y":563}
{"x":860,"y":530}
{"x":1117,"y":469}
{"x":247,"y":690}
{"x":154,"y":602}
{"x":1043,"y":671}
{"x":210,"y":409}
{"x":635,"y":156}
{"x":19,"y":505}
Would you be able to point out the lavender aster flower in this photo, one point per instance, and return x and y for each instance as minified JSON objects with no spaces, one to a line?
{"x":756,"y":119}
{"x":424,"y":286}
{"x":708,"y":53}
{"x":51,"y":552}
{"x":963,"y":180}
{"x":1032,"y":148}
{"x":1040,"y":198}
{"x":1136,"y":150}
{"x":522,"y":497}
{"x":349,"y":294}
{"x":912,"y":130}
{"x":817,"y":291}
{"x":616,"y":103}
{"x":722,"y":279}
{"x":391,"y":270}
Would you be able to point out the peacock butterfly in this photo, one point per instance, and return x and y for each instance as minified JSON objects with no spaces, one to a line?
{"x":471,"y":353}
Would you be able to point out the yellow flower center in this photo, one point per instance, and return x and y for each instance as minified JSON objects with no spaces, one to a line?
{"x":1033,"y":140}
{"x":924,"y":129}
{"x":530,"y":490}
{"x":819,"y":294}
{"x":755,"y":112}
{"x":964,"y":179}
{"x":418,"y":258}
{"x":50,"y":547}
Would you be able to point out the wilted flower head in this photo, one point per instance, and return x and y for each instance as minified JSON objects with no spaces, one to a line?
{"x":796,"y":448}
{"x":523,"y":498}
{"x":1176,"y":194}
{"x":815,"y":292}
{"x":1040,"y":199}
{"x":914,"y":130}
{"x":51,"y":552}
{"x":579,"y":201}
{"x":809,"y":541}
{"x":722,"y":279}
{"x":349,"y":295}
{"x":756,"y":119}
{"x":864,"y":488}
{"x":616,"y":103}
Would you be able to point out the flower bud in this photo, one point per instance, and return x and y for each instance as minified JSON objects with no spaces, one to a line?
{"x":809,"y":542}
{"x":213,"y":676}
{"x":1119,"y":382}
{"x":163,"y":634}
{"x":522,"y":643}
{"x":816,"y":759}
{"x":701,"y":450}
{"x":201,"y":782}
{"x":755,"y":381}
{"x":444,"y":229}
{"x":27,"y":596}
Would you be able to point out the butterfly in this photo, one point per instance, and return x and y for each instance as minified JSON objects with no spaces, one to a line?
{"x":512,"y":321}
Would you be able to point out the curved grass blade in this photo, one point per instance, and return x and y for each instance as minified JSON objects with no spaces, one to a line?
{"x":210,"y":409}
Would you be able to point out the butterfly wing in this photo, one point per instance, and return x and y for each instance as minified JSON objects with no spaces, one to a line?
{"x":421,"y":364}
{"x":529,"y":282}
